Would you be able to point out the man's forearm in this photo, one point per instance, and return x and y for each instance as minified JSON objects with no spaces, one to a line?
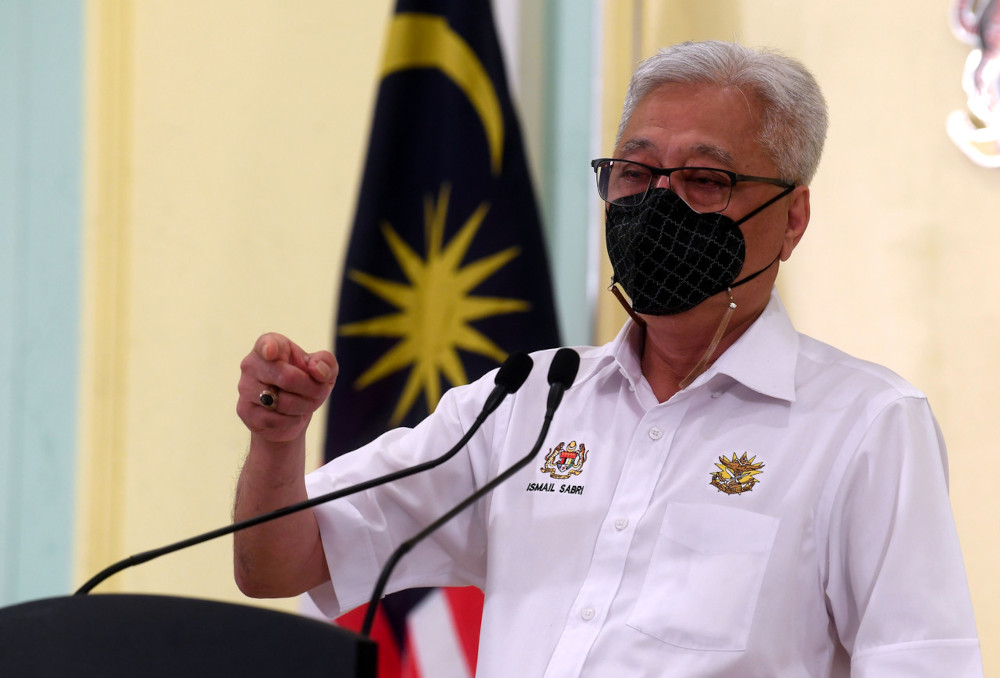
{"x":283,"y":557}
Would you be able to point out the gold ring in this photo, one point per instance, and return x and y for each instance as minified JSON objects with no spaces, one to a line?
{"x":268,"y":399}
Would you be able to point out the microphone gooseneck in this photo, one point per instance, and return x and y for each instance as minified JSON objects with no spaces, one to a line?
{"x":562,"y":372}
{"x":509,"y":379}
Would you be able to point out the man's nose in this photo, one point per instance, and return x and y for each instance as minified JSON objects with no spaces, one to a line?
{"x":661,"y":181}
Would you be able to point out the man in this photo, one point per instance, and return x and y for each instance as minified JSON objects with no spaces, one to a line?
{"x":745,"y":501}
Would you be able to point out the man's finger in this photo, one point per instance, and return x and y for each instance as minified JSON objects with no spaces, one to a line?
{"x":273,"y":346}
{"x":323,"y":367}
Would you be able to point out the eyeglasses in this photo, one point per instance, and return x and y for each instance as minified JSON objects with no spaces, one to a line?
{"x":704,"y":189}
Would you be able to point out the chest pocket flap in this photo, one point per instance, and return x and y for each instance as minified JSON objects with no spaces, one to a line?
{"x":704,"y":577}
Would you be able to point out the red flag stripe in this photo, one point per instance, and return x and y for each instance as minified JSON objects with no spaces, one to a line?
{"x":466,"y":605}
{"x":410,"y":667}
{"x":389,"y":663}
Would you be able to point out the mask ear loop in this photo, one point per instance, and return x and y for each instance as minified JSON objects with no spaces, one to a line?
{"x":627,"y":306}
{"x":705,"y":359}
{"x":703,"y":363}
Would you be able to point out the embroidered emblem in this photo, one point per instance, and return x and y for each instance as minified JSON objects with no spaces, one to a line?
{"x":564,"y":461}
{"x":736,"y":475}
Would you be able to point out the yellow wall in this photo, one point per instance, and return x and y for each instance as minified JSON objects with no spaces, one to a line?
{"x":898,"y":264}
{"x":224,"y":141}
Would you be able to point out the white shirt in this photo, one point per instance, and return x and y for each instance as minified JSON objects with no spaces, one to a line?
{"x":785,"y":515}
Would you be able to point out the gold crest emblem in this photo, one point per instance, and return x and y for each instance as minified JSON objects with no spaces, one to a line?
{"x":564,"y":461}
{"x":736,"y":475}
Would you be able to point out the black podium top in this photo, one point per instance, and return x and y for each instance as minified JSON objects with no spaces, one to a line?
{"x":150,"y":636}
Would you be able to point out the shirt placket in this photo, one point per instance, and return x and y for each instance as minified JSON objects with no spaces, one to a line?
{"x":647,"y":452}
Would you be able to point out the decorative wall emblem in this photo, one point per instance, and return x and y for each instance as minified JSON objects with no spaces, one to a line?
{"x":977,"y":130}
{"x":736,"y":475}
{"x":564,"y":460}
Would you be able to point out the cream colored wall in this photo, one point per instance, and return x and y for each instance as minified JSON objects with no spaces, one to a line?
{"x":898,"y":264}
{"x":224,"y":141}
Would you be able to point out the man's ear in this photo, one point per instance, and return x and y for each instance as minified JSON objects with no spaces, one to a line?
{"x":798,"y":219}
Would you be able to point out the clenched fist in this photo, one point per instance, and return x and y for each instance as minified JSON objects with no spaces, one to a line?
{"x":296,"y":382}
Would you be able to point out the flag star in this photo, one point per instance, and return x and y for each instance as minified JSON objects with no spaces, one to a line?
{"x":435,"y":307}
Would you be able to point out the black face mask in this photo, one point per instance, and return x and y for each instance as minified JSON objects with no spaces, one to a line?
{"x":669,"y":258}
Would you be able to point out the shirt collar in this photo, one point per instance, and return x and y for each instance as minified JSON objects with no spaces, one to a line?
{"x":627,"y":349}
{"x":762,"y":359}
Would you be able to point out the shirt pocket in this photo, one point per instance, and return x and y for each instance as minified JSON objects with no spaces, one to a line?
{"x":704,"y":577}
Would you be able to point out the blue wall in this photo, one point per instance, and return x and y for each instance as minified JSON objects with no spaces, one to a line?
{"x":40,"y":223}
{"x":568,"y":179}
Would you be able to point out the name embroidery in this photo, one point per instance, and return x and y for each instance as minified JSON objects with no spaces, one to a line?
{"x":551,"y":487}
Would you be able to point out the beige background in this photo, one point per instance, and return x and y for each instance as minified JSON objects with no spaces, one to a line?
{"x":224,"y":141}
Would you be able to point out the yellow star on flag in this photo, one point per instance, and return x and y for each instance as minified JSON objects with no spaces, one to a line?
{"x":435,"y":307}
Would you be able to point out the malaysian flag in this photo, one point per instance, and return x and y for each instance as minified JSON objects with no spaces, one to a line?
{"x":446,"y":274}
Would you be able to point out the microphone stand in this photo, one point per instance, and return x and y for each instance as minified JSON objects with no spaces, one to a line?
{"x":510,"y":377}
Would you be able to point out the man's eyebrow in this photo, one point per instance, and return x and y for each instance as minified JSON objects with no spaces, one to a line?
{"x":716,"y":153}
{"x":639,"y":144}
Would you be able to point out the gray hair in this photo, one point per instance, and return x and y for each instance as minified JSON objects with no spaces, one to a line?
{"x":794,"y":122}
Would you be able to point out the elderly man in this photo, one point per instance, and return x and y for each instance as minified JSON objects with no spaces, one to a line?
{"x":744,"y":500}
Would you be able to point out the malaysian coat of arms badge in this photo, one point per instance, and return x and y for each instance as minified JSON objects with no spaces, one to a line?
{"x":564,"y":461}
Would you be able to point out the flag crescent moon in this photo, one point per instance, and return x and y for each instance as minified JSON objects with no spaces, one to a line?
{"x":427,"y":41}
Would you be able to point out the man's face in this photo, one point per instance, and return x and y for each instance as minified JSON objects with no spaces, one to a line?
{"x":679,"y":125}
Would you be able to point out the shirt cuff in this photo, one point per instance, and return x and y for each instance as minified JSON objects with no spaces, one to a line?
{"x":958,"y":658}
{"x":346,"y":544}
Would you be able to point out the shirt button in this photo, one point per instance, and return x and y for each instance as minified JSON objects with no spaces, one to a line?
{"x":716,"y":394}
{"x":621,"y":524}
{"x":656,"y":433}
{"x":588,"y":613}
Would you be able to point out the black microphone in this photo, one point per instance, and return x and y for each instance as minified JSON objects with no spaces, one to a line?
{"x":510,"y":377}
{"x":562,"y":372}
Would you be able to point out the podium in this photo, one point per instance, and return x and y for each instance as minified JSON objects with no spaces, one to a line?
{"x":151,"y":636}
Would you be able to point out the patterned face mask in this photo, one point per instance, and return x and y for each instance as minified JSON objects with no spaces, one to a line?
{"x":669,"y":258}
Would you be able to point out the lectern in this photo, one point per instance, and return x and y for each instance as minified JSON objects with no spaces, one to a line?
{"x":146,"y":635}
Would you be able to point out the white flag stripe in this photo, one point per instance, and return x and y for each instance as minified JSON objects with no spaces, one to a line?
{"x":433,"y":641}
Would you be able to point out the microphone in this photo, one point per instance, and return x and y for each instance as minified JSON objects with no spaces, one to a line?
{"x":509,"y":378}
{"x":562,"y":372}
